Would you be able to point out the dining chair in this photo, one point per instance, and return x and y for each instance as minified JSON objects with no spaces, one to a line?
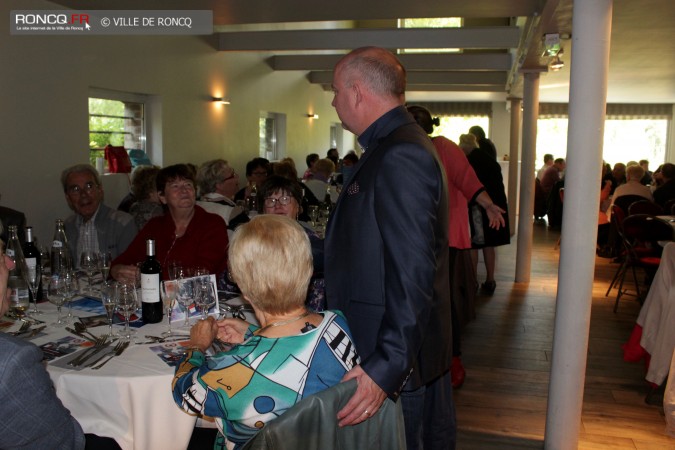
{"x":312,"y":423}
{"x":645,"y":207}
{"x":625,"y":201}
{"x":641,"y":232}
{"x":561,"y":193}
{"x":616,"y":243}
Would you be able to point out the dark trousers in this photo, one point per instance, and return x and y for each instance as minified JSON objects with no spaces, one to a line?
{"x":429,"y":415}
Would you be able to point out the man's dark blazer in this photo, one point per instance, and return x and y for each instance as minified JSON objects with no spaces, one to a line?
{"x":386,"y":257}
{"x":9,"y":217}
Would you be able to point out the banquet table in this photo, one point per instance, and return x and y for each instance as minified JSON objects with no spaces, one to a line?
{"x":129,"y":399}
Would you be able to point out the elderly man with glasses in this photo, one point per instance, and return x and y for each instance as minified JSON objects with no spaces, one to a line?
{"x":94,"y":227}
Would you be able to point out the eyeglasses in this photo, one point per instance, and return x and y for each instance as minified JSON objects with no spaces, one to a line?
{"x":271,"y":202}
{"x":234,"y":175}
{"x":77,"y":190}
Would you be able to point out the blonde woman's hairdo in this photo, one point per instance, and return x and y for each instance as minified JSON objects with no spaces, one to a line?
{"x":271,"y":260}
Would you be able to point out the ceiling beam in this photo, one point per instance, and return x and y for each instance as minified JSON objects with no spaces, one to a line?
{"x":445,"y":88}
{"x":434,"y":77}
{"x":412,"y":62}
{"x":466,"y":38}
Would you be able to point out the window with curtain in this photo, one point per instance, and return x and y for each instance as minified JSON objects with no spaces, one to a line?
{"x":115,"y":122}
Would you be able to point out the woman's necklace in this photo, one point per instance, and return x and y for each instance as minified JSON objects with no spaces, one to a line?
{"x":283,"y":322}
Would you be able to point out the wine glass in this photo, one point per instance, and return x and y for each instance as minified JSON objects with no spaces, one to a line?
{"x":104,"y":260}
{"x":185,"y":294}
{"x":206,"y":297}
{"x":313,"y":212}
{"x":56,"y":294}
{"x":167,"y":291}
{"x":33,"y":277}
{"x":127,"y":303}
{"x":71,"y":289}
{"x":89,"y":263}
{"x":109,"y":300}
{"x":176,"y":270}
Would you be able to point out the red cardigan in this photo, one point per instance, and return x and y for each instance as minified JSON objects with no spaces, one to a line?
{"x":463,"y":188}
{"x":204,"y":243}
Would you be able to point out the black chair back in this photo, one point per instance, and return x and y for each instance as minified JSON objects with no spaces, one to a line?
{"x":625,"y":201}
{"x":645,"y":207}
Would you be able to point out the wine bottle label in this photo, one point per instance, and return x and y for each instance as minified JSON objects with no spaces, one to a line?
{"x":57,"y":244}
{"x":150,"y":287}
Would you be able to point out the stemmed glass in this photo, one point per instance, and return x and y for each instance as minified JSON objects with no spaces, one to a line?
{"x":71,"y":288}
{"x":206,"y":297}
{"x":104,"y":260}
{"x":109,"y":300}
{"x":167,"y":290}
{"x":89,"y":263}
{"x":313,"y":213}
{"x":56,"y":293}
{"x":185,"y":295}
{"x":33,"y":278}
{"x":176,"y":270}
{"x":127,"y":303}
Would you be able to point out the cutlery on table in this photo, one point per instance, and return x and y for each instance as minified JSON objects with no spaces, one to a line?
{"x":82,"y":329}
{"x":100,"y":345}
{"x":25,"y":328}
{"x":119,"y":348}
{"x":70,"y":330}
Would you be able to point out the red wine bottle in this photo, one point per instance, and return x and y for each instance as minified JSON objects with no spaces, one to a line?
{"x":151,"y":271}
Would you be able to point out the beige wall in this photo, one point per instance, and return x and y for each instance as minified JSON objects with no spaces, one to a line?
{"x":44,"y":84}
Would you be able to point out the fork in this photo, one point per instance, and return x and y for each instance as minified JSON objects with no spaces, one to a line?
{"x":23,"y":329}
{"x":99,"y":345}
{"x":119,"y":348}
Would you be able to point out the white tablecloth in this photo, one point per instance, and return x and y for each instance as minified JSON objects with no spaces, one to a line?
{"x":129,"y":399}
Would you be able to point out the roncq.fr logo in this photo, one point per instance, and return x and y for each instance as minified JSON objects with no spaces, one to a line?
{"x":52,"y":19}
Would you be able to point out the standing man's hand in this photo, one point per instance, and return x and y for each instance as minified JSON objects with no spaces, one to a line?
{"x":365,"y":402}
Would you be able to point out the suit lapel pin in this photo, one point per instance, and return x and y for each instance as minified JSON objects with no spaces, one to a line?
{"x":353,"y":188}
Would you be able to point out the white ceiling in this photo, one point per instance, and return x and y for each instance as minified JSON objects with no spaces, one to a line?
{"x":499,"y":38}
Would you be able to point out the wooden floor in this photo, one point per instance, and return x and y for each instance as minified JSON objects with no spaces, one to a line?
{"x":507,"y":354}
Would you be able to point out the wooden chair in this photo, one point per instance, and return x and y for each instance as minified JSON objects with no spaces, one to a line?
{"x":640,"y":235}
{"x":645,"y":207}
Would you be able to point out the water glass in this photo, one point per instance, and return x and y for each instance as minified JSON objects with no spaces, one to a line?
{"x":185,"y":294}
{"x":127,"y":303}
{"x":206,"y":297}
{"x":89,"y":263}
{"x":56,"y":294}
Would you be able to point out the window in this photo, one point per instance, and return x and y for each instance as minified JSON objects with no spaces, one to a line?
{"x":452,"y":127}
{"x":624,"y":140}
{"x":115,"y":122}
{"x":272,"y":132}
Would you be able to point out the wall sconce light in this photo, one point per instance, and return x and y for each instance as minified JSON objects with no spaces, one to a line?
{"x":313,"y":116}
{"x":222,"y":100}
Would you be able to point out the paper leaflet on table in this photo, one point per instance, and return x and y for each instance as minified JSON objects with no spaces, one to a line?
{"x":171,"y":352}
{"x":63,"y":346}
{"x":177,"y":313}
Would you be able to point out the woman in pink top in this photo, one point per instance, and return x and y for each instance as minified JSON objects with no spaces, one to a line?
{"x":463,"y":188}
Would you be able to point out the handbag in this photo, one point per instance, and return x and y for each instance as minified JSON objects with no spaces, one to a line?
{"x":118,"y":159}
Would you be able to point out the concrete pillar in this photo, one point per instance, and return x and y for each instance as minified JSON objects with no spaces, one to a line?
{"x":588,"y":94}
{"x":526,"y":209}
{"x":514,"y":160}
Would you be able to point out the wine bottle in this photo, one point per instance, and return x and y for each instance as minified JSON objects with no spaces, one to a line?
{"x":60,"y":255}
{"x":31,"y":255}
{"x":17,"y":280}
{"x":151,"y":271}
